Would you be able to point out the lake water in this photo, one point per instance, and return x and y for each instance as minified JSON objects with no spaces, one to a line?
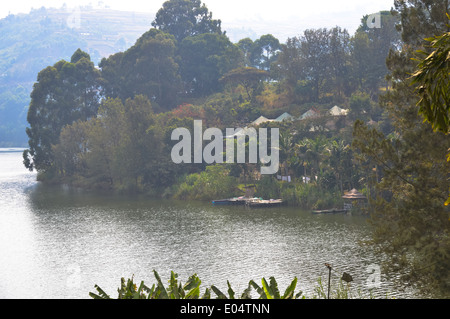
{"x":58,"y":242}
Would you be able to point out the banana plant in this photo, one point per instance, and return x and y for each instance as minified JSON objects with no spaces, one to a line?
{"x":191,"y":290}
{"x":221,"y":295}
{"x":127,"y":290}
{"x":270,"y":290}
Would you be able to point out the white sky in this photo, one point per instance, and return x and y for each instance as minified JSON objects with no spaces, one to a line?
{"x":250,"y":14}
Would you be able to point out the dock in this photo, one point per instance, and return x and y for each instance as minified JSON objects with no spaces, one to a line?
{"x":254,"y":202}
{"x":230,"y":201}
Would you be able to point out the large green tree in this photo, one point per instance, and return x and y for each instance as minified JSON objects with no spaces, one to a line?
{"x":97,"y":152}
{"x":186,"y":18}
{"x":370,"y":46}
{"x":433,"y":85}
{"x":250,"y":79}
{"x":205,"y":58}
{"x":409,"y":172}
{"x":289,"y":64}
{"x":149,"y":67}
{"x":264,"y":51}
{"x":63,"y":94}
{"x":315,"y":63}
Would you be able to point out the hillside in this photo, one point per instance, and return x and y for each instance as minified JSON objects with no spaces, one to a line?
{"x":31,"y":42}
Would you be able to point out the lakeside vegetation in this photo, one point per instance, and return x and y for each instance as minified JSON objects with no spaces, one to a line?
{"x":268,"y":289}
{"x":111,"y":127}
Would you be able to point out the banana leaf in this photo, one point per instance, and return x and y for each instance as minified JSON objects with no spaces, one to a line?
{"x":193,"y":287}
{"x":247,"y":293}
{"x":262,"y":294}
{"x":207,"y":294}
{"x":220,"y":295}
{"x":230,"y":291}
{"x":101,"y":294}
{"x":267,"y":289}
{"x":162,"y":290}
{"x":173,"y":286}
{"x":289,"y":293}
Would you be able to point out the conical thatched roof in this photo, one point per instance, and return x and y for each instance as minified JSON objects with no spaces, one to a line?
{"x":285,"y":116}
{"x":260,"y":120}
{"x":337,"y":111}
{"x":309,"y":114}
{"x":354,"y":194}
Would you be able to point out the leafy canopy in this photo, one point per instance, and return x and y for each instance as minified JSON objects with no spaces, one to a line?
{"x":186,"y":18}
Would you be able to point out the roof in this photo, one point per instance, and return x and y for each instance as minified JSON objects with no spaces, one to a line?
{"x":336,"y":111}
{"x":308,"y":114}
{"x":261,"y":120}
{"x":285,"y":116}
{"x":240,"y":132}
{"x":354,"y":194}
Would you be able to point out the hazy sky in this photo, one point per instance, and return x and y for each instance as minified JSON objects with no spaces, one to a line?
{"x":289,"y":15}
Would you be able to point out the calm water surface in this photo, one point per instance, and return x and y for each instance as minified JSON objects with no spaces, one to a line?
{"x":57,"y":242}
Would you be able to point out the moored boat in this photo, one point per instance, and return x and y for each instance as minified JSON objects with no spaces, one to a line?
{"x":330,"y":211}
{"x":259,"y":203}
{"x":230,"y":201}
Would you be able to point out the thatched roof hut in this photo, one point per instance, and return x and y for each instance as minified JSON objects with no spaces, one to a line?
{"x":353,"y":194}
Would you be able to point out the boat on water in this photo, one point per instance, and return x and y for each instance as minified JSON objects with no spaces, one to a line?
{"x":330,"y":211}
{"x":253,"y":202}
{"x":260,"y":203}
{"x":230,"y":201}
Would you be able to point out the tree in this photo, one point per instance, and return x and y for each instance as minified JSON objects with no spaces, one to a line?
{"x":421,"y":19}
{"x":318,"y":62}
{"x":185,"y":18}
{"x":287,"y":151}
{"x":432,"y":86}
{"x":359,"y":105}
{"x":149,"y":67}
{"x":315,"y":50}
{"x":289,"y":64}
{"x":119,"y":149}
{"x":205,"y":58}
{"x":313,"y":152}
{"x":246,"y":46}
{"x":340,"y":55}
{"x":411,"y":223}
{"x":63,"y":94}
{"x":250,"y":78}
{"x":264,"y":51}
{"x":370,"y":47}
{"x":71,"y":152}
{"x":432,"y":83}
{"x":339,"y":160}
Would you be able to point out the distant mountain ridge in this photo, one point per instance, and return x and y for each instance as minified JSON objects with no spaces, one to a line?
{"x":31,"y":42}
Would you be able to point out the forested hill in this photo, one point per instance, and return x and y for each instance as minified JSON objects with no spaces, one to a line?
{"x":346,"y":107}
{"x":30,"y":42}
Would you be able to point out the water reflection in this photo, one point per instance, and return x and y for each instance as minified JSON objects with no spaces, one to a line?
{"x":59,"y":242}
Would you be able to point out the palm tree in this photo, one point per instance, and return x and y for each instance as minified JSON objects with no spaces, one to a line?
{"x":312,"y":153}
{"x":338,"y":152}
{"x":287,"y":151}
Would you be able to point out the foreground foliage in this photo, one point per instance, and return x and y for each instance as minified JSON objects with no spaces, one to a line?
{"x":175,"y":289}
{"x":407,"y":168}
{"x":112,"y":128}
